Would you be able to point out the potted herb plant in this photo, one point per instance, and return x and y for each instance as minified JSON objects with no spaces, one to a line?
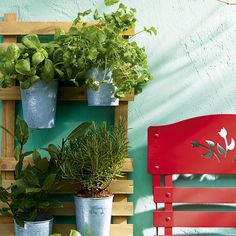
{"x":94,"y":160}
{"x":37,"y":71}
{"x":110,"y":63}
{"x":26,"y":200}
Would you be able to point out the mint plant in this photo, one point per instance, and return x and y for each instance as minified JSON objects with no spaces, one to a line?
{"x":104,"y":47}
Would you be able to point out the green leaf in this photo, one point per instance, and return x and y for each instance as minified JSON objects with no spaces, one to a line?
{"x":0,"y":179}
{"x":43,"y":204}
{"x":49,"y":181}
{"x":3,"y":53}
{"x":56,"y":235}
{"x":58,"y":33}
{"x":25,"y":154}
{"x":33,"y":79}
{"x":3,"y":195}
{"x":110,"y":2}
{"x":22,"y":131}
{"x":91,"y":83}
{"x":20,"y":183}
{"x":31,"y":41}
{"x":33,"y":190}
{"x":74,"y":233}
{"x":36,"y":157}
{"x":151,"y":30}
{"x":25,"y":84}
{"x":8,"y":67}
{"x":52,"y":150}
{"x":60,"y":72}
{"x":55,"y":204}
{"x":79,"y":131}
{"x":73,"y":30}
{"x":37,"y":58}
{"x":23,"y":66}
{"x":31,"y":178}
{"x":13,"y":52}
{"x":47,"y":73}
{"x":19,"y":220}
{"x":6,"y":81}
{"x":17,"y":153}
{"x":5,"y":212}
{"x":43,"y":165}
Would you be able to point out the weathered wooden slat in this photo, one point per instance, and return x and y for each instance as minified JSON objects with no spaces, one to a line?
{"x":118,"y":209}
{"x":8,"y":112}
{"x":66,"y":187}
{"x":64,"y":94}
{"x":121,"y":111}
{"x":42,"y":28}
{"x":8,"y":164}
{"x":64,"y":229}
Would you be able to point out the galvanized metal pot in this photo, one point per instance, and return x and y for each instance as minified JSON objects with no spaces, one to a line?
{"x":39,"y":104}
{"x":93,"y":215}
{"x":105,"y":95}
{"x":41,"y":227}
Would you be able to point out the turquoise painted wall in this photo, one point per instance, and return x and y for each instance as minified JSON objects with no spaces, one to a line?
{"x":193,"y":60}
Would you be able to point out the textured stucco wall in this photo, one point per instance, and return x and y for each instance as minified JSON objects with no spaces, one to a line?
{"x":193,"y":59}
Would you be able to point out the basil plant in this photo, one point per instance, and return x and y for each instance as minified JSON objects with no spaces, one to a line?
{"x":28,"y":64}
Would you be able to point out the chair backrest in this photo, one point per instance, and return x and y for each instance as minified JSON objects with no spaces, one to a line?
{"x":201,"y":145}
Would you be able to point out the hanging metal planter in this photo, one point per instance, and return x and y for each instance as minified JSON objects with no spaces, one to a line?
{"x":105,"y":95}
{"x":39,"y":104}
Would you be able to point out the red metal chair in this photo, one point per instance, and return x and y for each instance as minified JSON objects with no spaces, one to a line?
{"x":201,"y":145}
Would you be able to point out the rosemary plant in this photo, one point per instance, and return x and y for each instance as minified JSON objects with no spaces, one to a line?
{"x":95,"y":159}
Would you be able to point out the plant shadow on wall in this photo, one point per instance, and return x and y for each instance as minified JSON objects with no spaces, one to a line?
{"x":143,"y":199}
{"x":191,"y":43}
{"x":161,"y":110}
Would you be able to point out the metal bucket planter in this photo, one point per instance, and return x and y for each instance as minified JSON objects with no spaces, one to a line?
{"x":40,"y":227}
{"x":105,"y":95}
{"x":39,"y":104}
{"x":93,"y":215}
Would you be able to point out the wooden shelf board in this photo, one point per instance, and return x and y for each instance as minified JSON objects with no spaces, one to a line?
{"x":42,"y":28}
{"x":64,"y":229}
{"x":8,"y":164}
{"x":66,"y":187}
{"x":64,"y":94}
{"x":68,"y":209}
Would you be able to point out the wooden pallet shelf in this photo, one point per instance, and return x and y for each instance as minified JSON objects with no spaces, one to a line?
{"x":42,"y":28}
{"x":10,"y":28}
{"x":8,"y":164}
{"x":116,"y":229}
{"x":64,"y":94}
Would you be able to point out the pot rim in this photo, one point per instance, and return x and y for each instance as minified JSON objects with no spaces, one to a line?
{"x":51,"y":218}
{"x":35,"y":85}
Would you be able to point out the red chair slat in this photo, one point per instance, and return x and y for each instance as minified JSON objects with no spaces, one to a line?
{"x":194,"y":195}
{"x":194,"y":219}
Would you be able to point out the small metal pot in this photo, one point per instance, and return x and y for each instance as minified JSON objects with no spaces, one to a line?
{"x":39,"y":104}
{"x":105,"y":95}
{"x":93,"y":215}
{"x":42,"y":226}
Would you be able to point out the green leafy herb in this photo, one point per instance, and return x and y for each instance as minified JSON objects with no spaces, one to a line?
{"x":96,"y":158}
